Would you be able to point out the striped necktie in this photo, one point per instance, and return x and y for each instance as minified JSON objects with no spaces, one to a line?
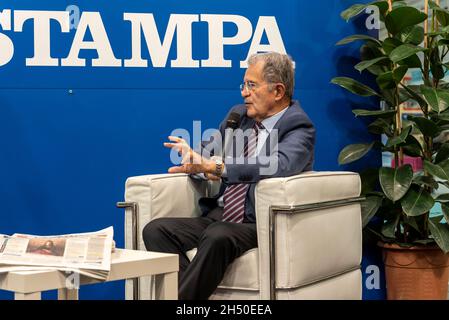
{"x":235,"y":195}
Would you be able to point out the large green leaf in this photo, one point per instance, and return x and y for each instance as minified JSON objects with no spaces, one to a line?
{"x":436,"y":67}
{"x":411,"y":221}
{"x":395,"y":182}
{"x":414,"y":95}
{"x":441,"y":14}
{"x":374,"y":113}
{"x":443,"y":17}
{"x":443,"y":197}
{"x":417,"y":202}
{"x":399,"y":3}
{"x":443,"y":116}
{"x":390,"y":79}
{"x":386,"y":81}
{"x":370,"y":51}
{"x":358,"y":37}
{"x":389,"y":96}
{"x":354,"y":152}
{"x":354,"y":86}
{"x":412,"y":62}
{"x":440,"y":170}
{"x":443,"y":153}
{"x":389,"y":227}
{"x":369,"y":208}
{"x":412,"y":34}
{"x":368,"y":63}
{"x":441,"y":32}
{"x":444,"y":165}
{"x":381,"y":126}
{"x":401,"y":138}
{"x":426,"y":126}
{"x":400,"y":18}
{"x":443,"y":95}
{"x":445,"y":209}
{"x":412,"y":147}
{"x":399,"y":73}
{"x":443,"y":42}
{"x":412,"y":150}
{"x":440,"y":233}
{"x":358,"y":8}
{"x":403,"y":95}
{"x":437,"y":99}
{"x":404,"y":51}
{"x":425,"y":181}
{"x":389,"y":44}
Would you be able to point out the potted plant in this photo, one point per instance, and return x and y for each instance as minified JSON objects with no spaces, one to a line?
{"x":399,"y":199}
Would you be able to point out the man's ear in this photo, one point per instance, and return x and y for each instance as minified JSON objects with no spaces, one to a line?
{"x":279,"y":92}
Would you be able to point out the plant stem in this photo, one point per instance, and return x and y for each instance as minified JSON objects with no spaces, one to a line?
{"x":426,"y":225}
{"x":399,"y":127}
{"x":398,"y":154}
{"x":426,"y":26}
{"x":405,"y":227}
{"x":433,"y":21}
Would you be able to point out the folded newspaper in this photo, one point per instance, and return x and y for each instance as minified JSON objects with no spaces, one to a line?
{"x":85,"y":253}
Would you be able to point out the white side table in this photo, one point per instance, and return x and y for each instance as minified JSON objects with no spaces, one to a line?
{"x":125,"y":264}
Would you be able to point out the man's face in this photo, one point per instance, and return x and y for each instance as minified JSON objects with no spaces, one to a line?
{"x":259,"y":100}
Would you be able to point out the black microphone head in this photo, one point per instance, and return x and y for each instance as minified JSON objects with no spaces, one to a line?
{"x":233,"y":121}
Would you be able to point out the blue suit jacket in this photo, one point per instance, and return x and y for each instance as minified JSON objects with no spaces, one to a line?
{"x":294,"y":154}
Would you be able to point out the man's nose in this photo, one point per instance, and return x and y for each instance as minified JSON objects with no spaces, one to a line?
{"x":245,"y":93}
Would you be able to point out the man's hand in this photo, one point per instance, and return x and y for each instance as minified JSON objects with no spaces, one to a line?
{"x":191,"y":162}
{"x":211,"y":176}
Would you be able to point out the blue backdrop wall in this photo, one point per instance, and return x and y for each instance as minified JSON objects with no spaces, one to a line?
{"x":70,"y":134}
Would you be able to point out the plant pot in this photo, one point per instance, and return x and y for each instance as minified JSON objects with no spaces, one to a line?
{"x":415,"y":273}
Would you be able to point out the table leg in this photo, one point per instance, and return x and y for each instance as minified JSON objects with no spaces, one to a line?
{"x":167,"y":286}
{"x":67,"y":294}
{"x":27,"y":296}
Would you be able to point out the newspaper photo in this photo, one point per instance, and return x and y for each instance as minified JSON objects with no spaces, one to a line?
{"x":85,"y":253}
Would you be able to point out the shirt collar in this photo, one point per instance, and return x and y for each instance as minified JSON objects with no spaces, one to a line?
{"x":270,"y":122}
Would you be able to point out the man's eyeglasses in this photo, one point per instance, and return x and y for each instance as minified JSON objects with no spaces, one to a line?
{"x":249,"y":86}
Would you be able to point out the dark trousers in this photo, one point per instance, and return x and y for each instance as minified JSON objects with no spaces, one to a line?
{"x":219,"y":244}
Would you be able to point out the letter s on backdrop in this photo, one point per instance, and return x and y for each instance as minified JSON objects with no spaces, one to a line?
{"x":6,"y":45}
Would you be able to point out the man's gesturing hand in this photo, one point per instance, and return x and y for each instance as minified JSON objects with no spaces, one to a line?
{"x":191,"y":162}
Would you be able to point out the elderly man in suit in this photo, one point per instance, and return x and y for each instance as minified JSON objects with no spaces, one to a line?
{"x":227,"y":227}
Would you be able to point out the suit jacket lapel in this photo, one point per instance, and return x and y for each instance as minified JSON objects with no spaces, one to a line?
{"x":267,"y":144}
{"x":246,"y":124}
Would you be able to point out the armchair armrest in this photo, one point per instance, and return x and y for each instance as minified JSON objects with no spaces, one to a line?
{"x":155,"y":196}
{"x":308,"y":228}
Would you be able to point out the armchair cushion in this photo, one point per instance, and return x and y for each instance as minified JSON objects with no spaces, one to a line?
{"x":313,"y":245}
{"x":242,"y":274}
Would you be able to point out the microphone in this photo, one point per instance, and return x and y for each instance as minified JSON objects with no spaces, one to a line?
{"x":232,"y":123}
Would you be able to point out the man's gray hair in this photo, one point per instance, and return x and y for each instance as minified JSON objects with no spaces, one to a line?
{"x":278,"y":68}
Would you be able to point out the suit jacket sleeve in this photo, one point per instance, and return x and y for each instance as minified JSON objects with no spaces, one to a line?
{"x":293,"y":154}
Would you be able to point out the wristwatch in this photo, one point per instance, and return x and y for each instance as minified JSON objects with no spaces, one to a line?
{"x":218,"y":166}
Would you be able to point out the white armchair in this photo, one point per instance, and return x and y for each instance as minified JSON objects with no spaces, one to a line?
{"x":308,"y":229}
